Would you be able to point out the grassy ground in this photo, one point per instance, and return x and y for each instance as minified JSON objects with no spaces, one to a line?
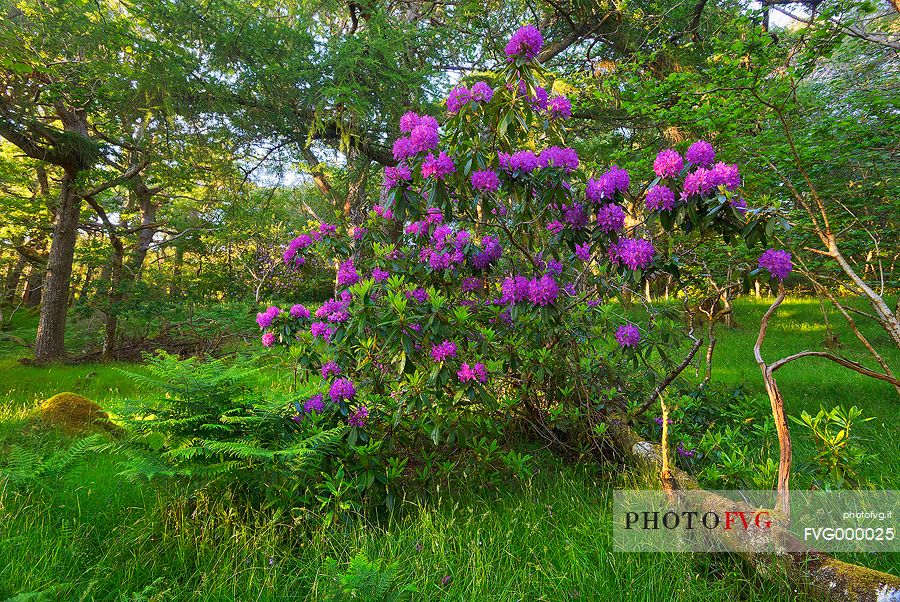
{"x":90,"y":535}
{"x":812,"y":383}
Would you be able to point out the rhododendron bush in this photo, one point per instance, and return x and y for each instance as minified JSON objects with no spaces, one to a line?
{"x":495,"y":274}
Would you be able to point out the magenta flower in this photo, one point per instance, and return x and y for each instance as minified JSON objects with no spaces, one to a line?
{"x":485,"y":180}
{"x":299,"y":312}
{"x":347,"y":274}
{"x":583,"y":252}
{"x":777,"y":262}
{"x":458,"y":98}
{"x":701,"y":153}
{"x":342,"y":389}
{"x":358,"y":417}
{"x":408,"y":122}
{"x":383,"y":212}
{"x":660,"y":197}
{"x":330,"y":368}
{"x":394,"y":175}
{"x":442,"y":351}
{"x":524,"y":160}
{"x":380,"y":275}
{"x":265,"y":318}
{"x":321,"y":329}
{"x":482,"y":92}
{"x":555,"y":156}
{"x":403,"y":149}
{"x":559,"y":107}
{"x":543,"y":290}
{"x":605,"y":187}
{"x":477,"y":373}
{"x":668,"y":163}
{"x":423,"y":137}
{"x":634,"y":253}
{"x":437,"y":167}
{"x":628,"y":335}
{"x":314,"y":404}
{"x":723,"y":174}
{"x":268,"y":339}
{"x":527,"y":41}
{"x":611,"y":218}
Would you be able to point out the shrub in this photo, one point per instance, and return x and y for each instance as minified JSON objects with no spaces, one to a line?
{"x":481,"y":284}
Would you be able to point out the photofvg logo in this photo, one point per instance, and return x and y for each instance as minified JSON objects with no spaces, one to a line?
{"x":744,"y":521}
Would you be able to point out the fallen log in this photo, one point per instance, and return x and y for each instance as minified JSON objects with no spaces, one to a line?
{"x":810,"y":571}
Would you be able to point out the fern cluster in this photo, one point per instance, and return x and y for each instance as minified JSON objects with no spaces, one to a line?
{"x":211,"y":426}
{"x":26,"y":466}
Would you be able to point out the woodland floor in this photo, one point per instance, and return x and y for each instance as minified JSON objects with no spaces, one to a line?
{"x":92,"y":536}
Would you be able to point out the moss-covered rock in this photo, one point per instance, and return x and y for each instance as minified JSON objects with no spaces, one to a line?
{"x":74,"y":414}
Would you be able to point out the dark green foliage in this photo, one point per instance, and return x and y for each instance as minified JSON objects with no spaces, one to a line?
{"x":364,"y":579}
{"x":27,"y":466}
{"x":213,"y":427}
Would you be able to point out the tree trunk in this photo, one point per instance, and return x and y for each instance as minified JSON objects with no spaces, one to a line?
{"x":145,"y":235}
{"x":111,"y":315}
{"x":13,"y":276}
{"x":50,"y":342}
{"x":33,"y":285}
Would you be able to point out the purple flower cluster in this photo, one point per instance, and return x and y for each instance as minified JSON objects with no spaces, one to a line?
{"x":575,"y":215}
{"x":538,"y":101}
{"x":383,"y":212}
{"x":611,"y":218}
{"x":701,"y":153}
{"x":437,"y":167}
{"x":489,"y":253}
{"x":446,"y":250}
{"x":524,"y":160}
{"x":559,"y":107}
{"x":442,"y":351}
{"x":583,"y":252}
{"x":379,"y":275}
{"x":482,"y":92}
{"x":538,"y":291}
{"x":668,"y":163}
{"x":321,"y":330}
{"x":777,"y":262}
{"x":470,"y":284}
{"x":487,"y":180}
{"x":555,"y":156}
{"x":358,"y":417}
{"x":684,"y":452}
{"x":477,"y":372}
{"x":265,"y":318}
{"x":703,"y":180}
{"x":419,"y":294}
{"x":347,"y":274}
{"x":335,"y":310}
{"x":460,"y":96}
{"x":299,"y":312}
{"x":292,"y":251}
{"x":423,"y":136}
{"x":660,"y":197}
{"x":341,"y":389}
{"x":394,"y":175}
{"x":628,"y":335}
{"x":268,"y":339}
{"x":634,"y":253}
{"x":607,"y":185}
{"x":527,"y":42}
{"x":330,"y":368}
{"x":314,"y":404}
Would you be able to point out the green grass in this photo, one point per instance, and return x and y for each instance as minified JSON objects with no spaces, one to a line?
{"x":91,"y":535}
{"x":811,"y":383}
